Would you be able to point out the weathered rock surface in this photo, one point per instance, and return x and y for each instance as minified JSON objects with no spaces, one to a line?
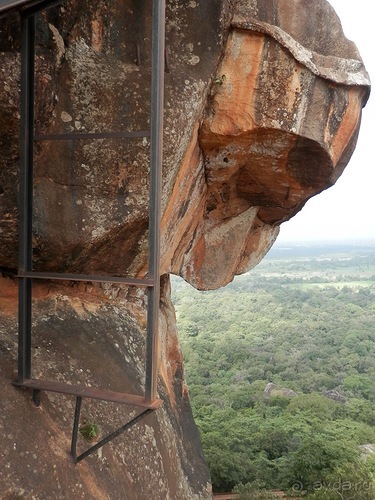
{"x":366,"y":450}
{"x":87,"y":336}
{"x":271,"y":390}
{"x":335,"y":396}
{"x":263,"y":106}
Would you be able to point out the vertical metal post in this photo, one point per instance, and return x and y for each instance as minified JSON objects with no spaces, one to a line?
{"x":26,"y":195}
{"x":157,"y":109}
{"x":36,"y":397}
{"x":77,"y":414}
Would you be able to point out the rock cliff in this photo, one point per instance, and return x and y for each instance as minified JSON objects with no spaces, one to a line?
{"x":262,"y":111}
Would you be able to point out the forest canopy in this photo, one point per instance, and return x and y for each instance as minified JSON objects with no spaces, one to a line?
{"x":303,"y":320}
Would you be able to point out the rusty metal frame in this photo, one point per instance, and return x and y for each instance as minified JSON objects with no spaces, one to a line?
{"x":149,"y":401}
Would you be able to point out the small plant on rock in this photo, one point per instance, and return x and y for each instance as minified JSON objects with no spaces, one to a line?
{"x":89,"y":431}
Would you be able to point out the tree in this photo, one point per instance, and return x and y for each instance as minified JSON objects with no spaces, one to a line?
{"x":316,"y":459}
{"x":347,"y":482}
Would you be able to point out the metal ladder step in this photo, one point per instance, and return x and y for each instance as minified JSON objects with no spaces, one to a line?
{"x":89,"y":392}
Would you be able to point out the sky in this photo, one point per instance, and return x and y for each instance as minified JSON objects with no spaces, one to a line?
{"x":346,"y":211}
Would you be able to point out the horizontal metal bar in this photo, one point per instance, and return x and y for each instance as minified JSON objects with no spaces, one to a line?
{"x":7,"y":12}
{"x":27,"y":7}
{"x":111,"y":436}
{"x":33,"y":7}
{"x":92,"y":135}
{"x":10,"y":5}
{"x":86,"y":277}
{"x":89,"y":392}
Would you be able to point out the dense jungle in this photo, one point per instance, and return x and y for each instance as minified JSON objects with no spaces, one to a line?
{"x":280,"y":367}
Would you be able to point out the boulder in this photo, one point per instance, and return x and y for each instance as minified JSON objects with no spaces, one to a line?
{"x":335,"y":396}
{"x":271,"y":390}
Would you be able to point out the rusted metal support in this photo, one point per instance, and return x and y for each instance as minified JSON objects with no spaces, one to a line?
{"x":36,"y":397}
{"x":79,"y":136}
{"x":77,"y":414}
{"x":26,"y":195}
{"x":27,"y":8}
{"x":147,"y":402}
{"x":106,"y":439}
{"x":89,"y":392}
{"x":157,"y":111}
{"x":32,"y":7}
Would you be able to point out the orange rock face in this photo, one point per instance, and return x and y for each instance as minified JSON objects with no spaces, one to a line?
{"x":281,"y":123}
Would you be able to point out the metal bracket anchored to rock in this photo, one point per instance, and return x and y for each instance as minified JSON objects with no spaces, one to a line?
{"x":148,"y":402}
{"x":106,"y":439}
{"x":81,"y":392}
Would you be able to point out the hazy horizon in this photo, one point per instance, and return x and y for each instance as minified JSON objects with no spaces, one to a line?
{"x":347,"y":241}
{"x":346,"y":210}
